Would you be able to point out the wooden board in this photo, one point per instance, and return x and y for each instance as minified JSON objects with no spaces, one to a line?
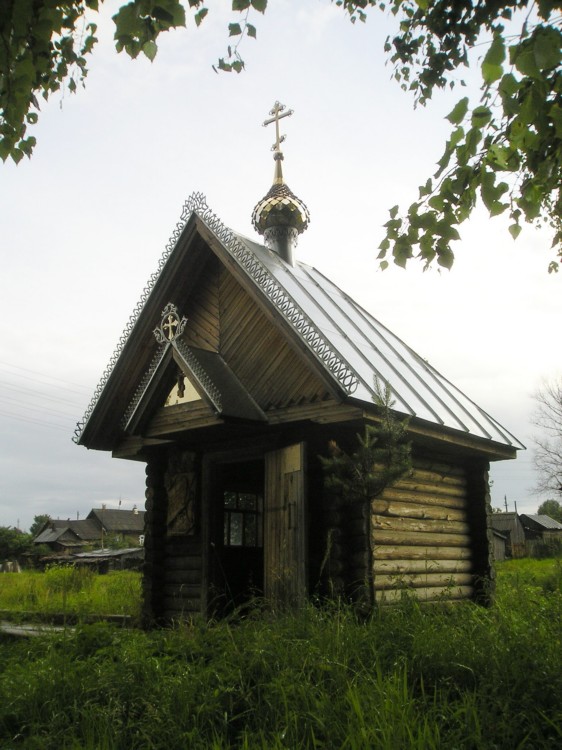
{"x":284,"y":526}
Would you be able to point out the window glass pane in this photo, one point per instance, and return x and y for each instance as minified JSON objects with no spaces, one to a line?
{"x":246,"y":501}
{"x":230,"y":499}
{"x":236,"y":529}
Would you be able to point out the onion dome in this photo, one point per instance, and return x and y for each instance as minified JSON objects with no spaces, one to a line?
{"x":280,"y":216}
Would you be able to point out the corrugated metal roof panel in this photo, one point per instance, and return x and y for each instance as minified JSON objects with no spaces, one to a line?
{"x":372,"y":351}
{"x":546,"y":521}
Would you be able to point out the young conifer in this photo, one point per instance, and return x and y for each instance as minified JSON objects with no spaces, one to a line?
{"x":382,"y":456}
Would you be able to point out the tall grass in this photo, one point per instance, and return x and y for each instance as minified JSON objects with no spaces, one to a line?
{"x":448,"y":676}
{"x":72,"y":591}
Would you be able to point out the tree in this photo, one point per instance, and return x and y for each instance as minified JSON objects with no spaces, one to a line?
{"x":504,"y":149}
{"x":548,"y":445}
{"x":354,"y":480}
{"x":551,"y":508}
{"x":38,"y":522}
{"x":382,"y":456}
{"x":13,"y":543}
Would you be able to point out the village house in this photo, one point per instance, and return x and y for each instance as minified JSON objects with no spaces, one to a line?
{"x":102,"y":527}
{"x":509,"y":524}
{"x":541,"y":533}
{"x":239,"y":367}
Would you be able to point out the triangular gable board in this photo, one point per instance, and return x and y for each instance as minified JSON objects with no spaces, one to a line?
{"x":236,"y":348}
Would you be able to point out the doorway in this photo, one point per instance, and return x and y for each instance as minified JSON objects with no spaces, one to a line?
{"x":238,"y":534}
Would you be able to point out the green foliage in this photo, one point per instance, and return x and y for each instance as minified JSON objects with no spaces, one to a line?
{"x":138,"y":24}
{"x":43,"y":49}
{"x":411,"y":677}
{"x":13,"y":543}
{"x":382,"y":456}
{"x":504,"y":149}
{"x":38,"y":522}
{"x":551,"y":508}
{"x":72,"y":591}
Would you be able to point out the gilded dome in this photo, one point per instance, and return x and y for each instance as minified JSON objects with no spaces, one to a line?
{"x":280,"y":208}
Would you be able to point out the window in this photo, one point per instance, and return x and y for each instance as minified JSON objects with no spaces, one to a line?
{"x":242,"y":513}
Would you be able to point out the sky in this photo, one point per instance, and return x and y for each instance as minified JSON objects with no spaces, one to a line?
{"x":84,"y":222}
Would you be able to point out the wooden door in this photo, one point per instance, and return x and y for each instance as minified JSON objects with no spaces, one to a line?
{"x":285,"y":526}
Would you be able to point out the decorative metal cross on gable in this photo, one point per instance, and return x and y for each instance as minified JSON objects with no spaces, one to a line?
{"x":277,"y":113}
{"x":171,"y":325}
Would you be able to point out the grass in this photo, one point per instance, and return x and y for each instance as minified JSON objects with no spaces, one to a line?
{"x":456,"y":677}
{"x":71,"y":591}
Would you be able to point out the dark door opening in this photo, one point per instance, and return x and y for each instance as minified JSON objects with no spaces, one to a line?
{"x":238,"y":534}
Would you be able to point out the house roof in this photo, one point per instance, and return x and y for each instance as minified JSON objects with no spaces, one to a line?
{"x":545,"y":521}
{"x":505,"y":521}
{"x":117,"y":520}
{"x":352,"y":348}
{"x":371,"y":351}
{"x":58,"y":531}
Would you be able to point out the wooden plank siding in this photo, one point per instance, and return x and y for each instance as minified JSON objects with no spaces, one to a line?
{"x":421,"y":535}
{"x":202,"y":313}
{"x":260,"y":355}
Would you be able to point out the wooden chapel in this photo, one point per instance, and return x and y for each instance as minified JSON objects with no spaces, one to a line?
{"x":238,"y":366}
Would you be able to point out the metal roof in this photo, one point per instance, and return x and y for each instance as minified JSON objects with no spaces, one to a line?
{"x":370,"y":351}
{"x":352,"y":346}
{"x":546,"y":521}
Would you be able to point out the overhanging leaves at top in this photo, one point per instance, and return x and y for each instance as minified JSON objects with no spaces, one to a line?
{"x":511,"y":137}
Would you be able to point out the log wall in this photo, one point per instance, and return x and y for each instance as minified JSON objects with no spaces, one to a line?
{"x":423,"y":533}
{"x":154,"y":541}
{"x":173,"y":568}
{"x":182,"y":580}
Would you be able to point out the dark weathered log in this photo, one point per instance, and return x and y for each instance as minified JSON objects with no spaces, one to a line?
{"x":422,"y":580}
{"x":185,"y":562}
{"x":176,"y":607}
{"x":414,"y":485}
{"x":154,"y":544}
{"x":409,"y":551}
{"x":419,"y":538}
{"x":183,"y":576}
{"x":387,"y":507}
{"x":423,"y":497}
{"x":399,"y":566}
{"x":390,"y":523}
{"x":181,"y":591}
{"x":183,"y":546}
{"x":434,"y":473}
{"x":431,"y":594}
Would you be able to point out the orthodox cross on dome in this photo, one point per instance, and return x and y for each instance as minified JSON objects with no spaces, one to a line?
{"x":280,"y":216}
{"x":279,"y":111}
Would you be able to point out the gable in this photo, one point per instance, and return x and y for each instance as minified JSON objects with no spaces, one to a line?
{"x":261,"y":355}
{"x":274,"y":335}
